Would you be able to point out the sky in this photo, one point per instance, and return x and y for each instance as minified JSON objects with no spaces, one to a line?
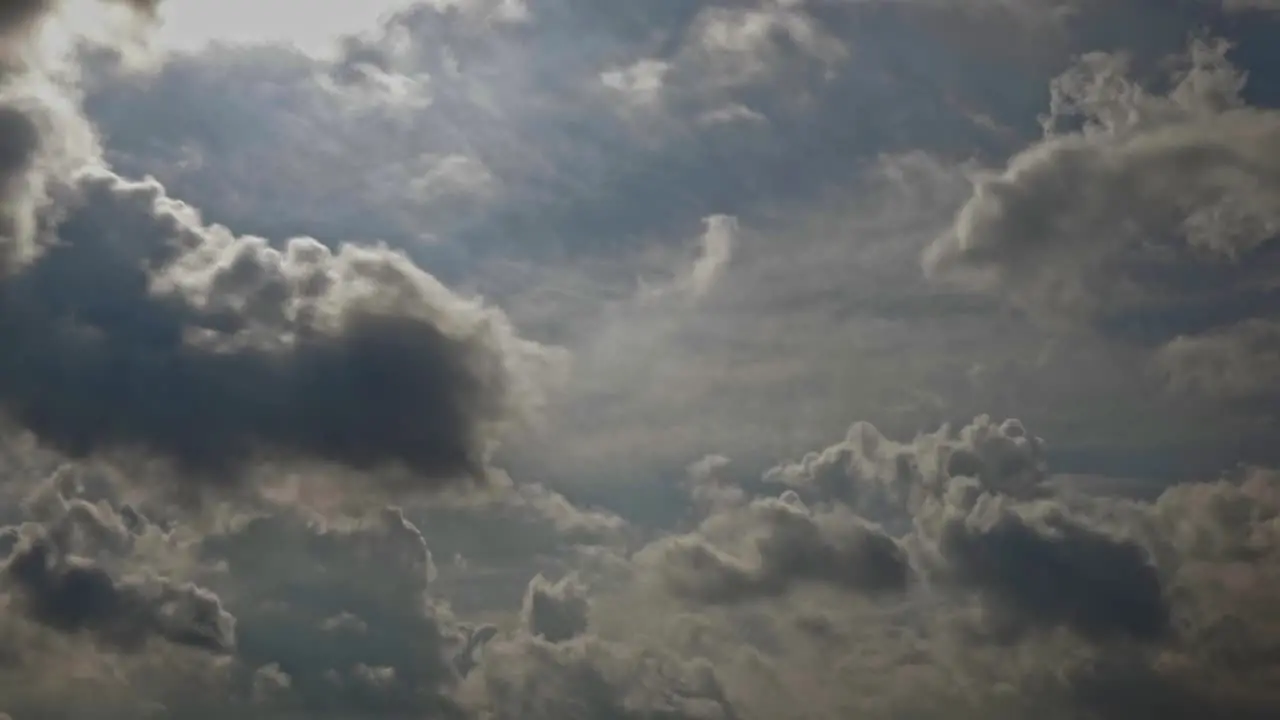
{"x":676,"y":360}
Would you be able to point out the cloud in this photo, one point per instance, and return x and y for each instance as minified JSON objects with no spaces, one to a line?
{"x":641,"y":82}
{"x":1052,"y":571}
{"x":511,"y":521}
{"x":72,"y":596}
{"x":146,"y":345}
{"x":715,"y":252}
{"x":554,"y":611}
{"x":1187,"y":170}
{"x":341,"y":608}
{"x":59,"y":575}
{"x":571,"y":172}
{"x":588,"y":679}
{"x":891,"y":481}
{"x":1152,"y":596}
{"x":44,"y":137}
{"x":211,"y":350}
{"x":1155,"y":220}
{"x":1096,"y":606}
{"x":143,"y":328}
{"x":267,"y":612}
{"x":787,"y":544}
{"x":1236,"y":362}
{"x":971,"y":507}
{"x":734,"y":47}
{"x":585,"y":194}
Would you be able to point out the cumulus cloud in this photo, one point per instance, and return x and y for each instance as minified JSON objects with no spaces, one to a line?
{"x":725,"y":52}
{"x":579,"y":195}
{"x":341,"y":615}
{"x":58,"y":572}
{"x":71,"y":595}
{"x":786,"y":544}
{"x":891,"y":481}
{"x":186,"y":341}
{"x":1145,"y":215}
{"x":1182,"y":171}
{"x":731,"y":47}
{"x":342,"y":609}
{"x":1052,"y":571}
{"x":949,"y":574}
{"x":1151,"y":592}
{"x":972,"y":507}
{"x":143,"y":329}
{"x":266,"y":613}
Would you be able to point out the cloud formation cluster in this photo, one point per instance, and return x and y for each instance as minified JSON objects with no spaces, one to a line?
{"x":57,"y":578}
{"x":953,"y":574}
{"x":131,"y":325}
{"x":1075,"y":585}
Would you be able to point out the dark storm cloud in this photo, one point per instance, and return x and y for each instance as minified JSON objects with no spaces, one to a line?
{"x":1121,"y":688}
{"x":142,"y":328}
{"x":1219,"y":549}
{"x":130,"y":325}
{"x":72,"y":595}
{"x":302,"y":615}
{"x":1051,"y":571}
{"x":58,"y":572}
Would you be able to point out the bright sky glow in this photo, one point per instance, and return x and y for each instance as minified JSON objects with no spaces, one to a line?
{"x":311,"y":25}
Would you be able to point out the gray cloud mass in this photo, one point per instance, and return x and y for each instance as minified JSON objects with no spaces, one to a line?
{"x":499,"y":363}
{"x":131,"y":325}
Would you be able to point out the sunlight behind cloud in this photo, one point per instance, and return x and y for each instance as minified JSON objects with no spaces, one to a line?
{"x":310,"y":26}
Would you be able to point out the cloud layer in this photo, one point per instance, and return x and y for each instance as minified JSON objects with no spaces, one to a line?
{"x":498,"y":363}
